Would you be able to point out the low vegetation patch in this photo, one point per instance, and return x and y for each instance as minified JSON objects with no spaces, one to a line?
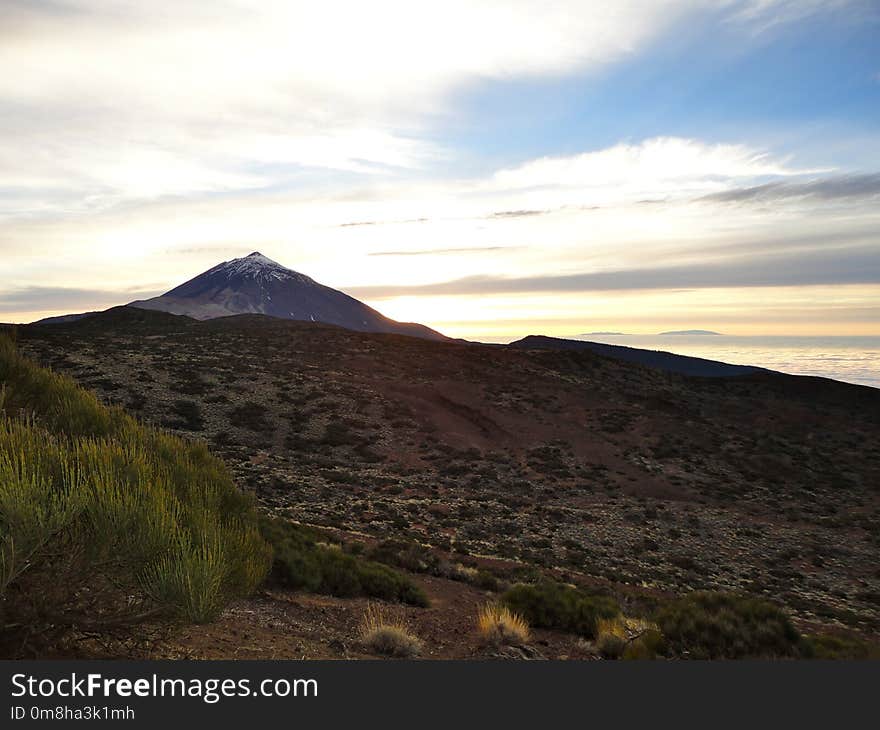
{"x":623,"y":637}
{"x":302,"y":561}
{"x":387,"y":633}
{"x":611,"y":646}
{"x":827,"y":646}
{"x":188,"y":416}
{"x":499,"y":625}
{"x":418,"y":558}
{"x":105,"y":522}
{"x":558,"y":606}
{"x":251,"y":416}
{"x":406,"y":554}
{"x":715,"y":625}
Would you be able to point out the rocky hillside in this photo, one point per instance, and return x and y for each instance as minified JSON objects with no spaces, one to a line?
{"x":568,"y":461}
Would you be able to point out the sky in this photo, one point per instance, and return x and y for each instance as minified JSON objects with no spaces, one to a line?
{"x":491,"y":169}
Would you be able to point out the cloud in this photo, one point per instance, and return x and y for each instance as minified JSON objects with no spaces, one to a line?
{"x":517,"y":213}
{"x":141,"y":100}
{"x":574,"y":234}
{"x":133,"y":100}
{"x":652,"y":172}
{"x":858,"y":265}
{"x":440,"y":251}
{"x":382,"y":223}
{"x":653,"y":165}
{"x":830,"y":188}
{"x":762,"y":15}
{"x":207,"y":250}
{"x":46,"y":299}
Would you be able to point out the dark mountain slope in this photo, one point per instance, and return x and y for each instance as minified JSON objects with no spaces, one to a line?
{"x":651,"y":358}
{"x":257,"y":285}
{"x":65,"y":318}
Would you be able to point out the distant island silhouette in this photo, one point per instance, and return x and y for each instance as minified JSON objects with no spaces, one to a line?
{"x":690,"y":332}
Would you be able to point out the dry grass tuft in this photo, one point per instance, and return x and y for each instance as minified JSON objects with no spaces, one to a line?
{"x":612,"y":637}
{"x":612,"y":627}
{"x":388,"y":633}
{"x":497,"y":624}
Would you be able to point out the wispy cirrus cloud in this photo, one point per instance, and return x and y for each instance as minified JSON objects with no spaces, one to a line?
{"x":440,"y":251}
{"x":47,"y":298}
{"x":357,"y":224}
{"x":857,"y":265}
{"x":517,"y":213}
{"x":763,"y":15}
{"x":650,"y":168}
{"x":837,"y":187}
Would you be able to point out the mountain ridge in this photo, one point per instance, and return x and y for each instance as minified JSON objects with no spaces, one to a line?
{"x":658,"y":359}
{"x":691,"y":332}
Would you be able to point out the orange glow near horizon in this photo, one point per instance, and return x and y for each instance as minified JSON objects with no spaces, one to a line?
{"x":778,"y":312}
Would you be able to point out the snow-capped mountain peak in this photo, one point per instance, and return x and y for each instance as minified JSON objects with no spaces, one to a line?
{"x":255,"y":284}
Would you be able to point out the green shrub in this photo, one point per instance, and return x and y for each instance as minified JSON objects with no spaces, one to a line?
{"x":826,"y":646}
{"x":338,"y":433}
{"x":405,"y":554}
{"x":714,"y":625}
{"x":103,"y":520}
{"x":558,"y":606}
{"x":303,"y":562}
{"x":611,"y":646}
{"x":417,"y":558}
{"x":649,"y":645}
{"x":250,"y":415}
{"x":188,"y":416}
{"x":486,"y":580}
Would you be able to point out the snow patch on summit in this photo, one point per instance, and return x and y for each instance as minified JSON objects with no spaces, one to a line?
{"x":261,"y":268}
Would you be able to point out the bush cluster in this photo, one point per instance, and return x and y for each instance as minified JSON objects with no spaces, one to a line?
{"x":104,"y":520}
{"x":558,"y":606}
{"x":828,"y":646}
{"x":303,"y":562}
{"x":717,"y":625}
{"x":417,"y":558}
